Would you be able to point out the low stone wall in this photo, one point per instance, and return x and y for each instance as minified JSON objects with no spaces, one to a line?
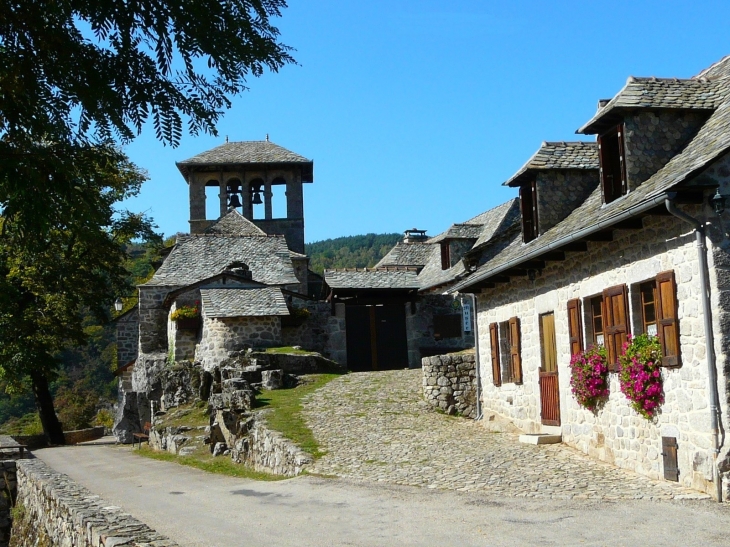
{"x":269,"y":451}
{"x":84,"y":435}
{"x":54,"y":510}
{"x":449,"y":383}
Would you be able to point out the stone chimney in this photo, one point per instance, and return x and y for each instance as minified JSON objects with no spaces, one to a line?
{"x":414,"y":235}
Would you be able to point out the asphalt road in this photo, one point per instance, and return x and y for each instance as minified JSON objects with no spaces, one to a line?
{"x":195,"y":508}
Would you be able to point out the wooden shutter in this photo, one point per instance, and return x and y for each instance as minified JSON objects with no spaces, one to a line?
{"x":575,"y":330}
{"x":666,"y":319}
{"x":494,"y":342}
{"x":616,"y":324}
{"x":514,"y":350}
{"x":445,"y":255}
{"x":669,"y":457}
{"x":528,"y":207}
{"x":622,"y":158}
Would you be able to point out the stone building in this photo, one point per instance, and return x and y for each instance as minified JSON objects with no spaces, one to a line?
{"x":623,"y":236}
{"x":233,"y":282}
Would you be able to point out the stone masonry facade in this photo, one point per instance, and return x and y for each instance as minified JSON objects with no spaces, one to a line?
{"x":127,"y":329}
{"x":561,"y":191}
{"x":616,"y":433}
{"x":220,"y":336}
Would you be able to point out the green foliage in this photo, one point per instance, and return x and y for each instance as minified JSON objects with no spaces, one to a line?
{"x":362,"y":251}
{"x":76,"y":407}
{"x":285,"y":413}
{"x":640,"y":374}
{"x":186,"y":312}
{"x":28,"y":424}
{"x":141,"y":61}
{"x":104,"y":418}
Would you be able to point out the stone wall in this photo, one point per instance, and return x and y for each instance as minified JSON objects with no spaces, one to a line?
{"x":57,"y":511}
{"x":153,"y":319}
{"x":321,"y":332}
{"x":270,"y":451}
{"x":559,"y":192}
{"x":181,"y":342}
{"x":616,"y":433}
{"x":127,"y":332}
{"x":450,"y":383}
{"x":225,"y":335}
{"x":419,"y":328}
{"x":83,"y":435}
{"x":652,"y":138}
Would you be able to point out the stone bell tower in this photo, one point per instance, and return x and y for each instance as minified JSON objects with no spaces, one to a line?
{"x":245,"y":172}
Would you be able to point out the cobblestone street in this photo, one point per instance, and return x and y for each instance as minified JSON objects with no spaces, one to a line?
{"x":375,"y":426}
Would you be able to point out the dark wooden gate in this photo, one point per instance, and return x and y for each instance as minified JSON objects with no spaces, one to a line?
{"x":669,"y":457}
{"x":376,"y":337}
{"x":549,"y":385}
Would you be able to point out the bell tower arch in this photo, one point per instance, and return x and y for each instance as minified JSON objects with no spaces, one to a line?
{"x":246,"y":173}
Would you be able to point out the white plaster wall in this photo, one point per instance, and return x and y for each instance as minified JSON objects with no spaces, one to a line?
{"x":616,"y":434}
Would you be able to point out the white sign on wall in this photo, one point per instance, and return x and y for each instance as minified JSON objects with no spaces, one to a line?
{"x":466,"y":317}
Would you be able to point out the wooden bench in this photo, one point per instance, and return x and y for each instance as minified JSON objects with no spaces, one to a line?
{"x":9,"y":444}
{"x":144,"y":436}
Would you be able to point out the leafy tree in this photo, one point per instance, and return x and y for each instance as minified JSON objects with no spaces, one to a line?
{"x":350,"y":251}
{"x":55,"y":264}
{"x":75,"y":74}
{"x":164,"y":59}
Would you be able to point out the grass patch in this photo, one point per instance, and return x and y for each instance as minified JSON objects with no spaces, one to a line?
{"x":285,"y":411}
{"x":290,"y":349}
{"x":28,"y":424}
{"x":193,"y":415}
{"x":203,"y":460}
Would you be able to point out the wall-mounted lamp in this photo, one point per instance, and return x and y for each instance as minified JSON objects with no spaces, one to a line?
{"x":718,"y":202}
{"x":118,"y":304}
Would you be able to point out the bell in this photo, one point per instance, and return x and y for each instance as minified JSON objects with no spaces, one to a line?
{"x":234,"y":202}
{"x":257,"y":198}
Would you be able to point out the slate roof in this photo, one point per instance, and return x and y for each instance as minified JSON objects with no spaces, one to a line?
{"x":458,"y":231}
{"x":236,"y":302}
{"x":197,"y":257}
{"x":242,"y":152}
{"x":401,"y":278}
{"x":406,"y":254}
{"x":711,"y":141}
{"x":491,"y":224}
{"x":658,"y":93}
{"x":557,"y":155}
{"x":235,"y":224}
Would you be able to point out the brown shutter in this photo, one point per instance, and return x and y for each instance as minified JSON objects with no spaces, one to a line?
{"x":494,"y":342}
{"x":445,"y":255}
{"x":666,"y":319}
{"x":514,"y":350}
{"x":574,"y":327}
{"x":669,"y":457}
{"x":535,"y":230}
{"x":616,"y":324}
{"x":622,"y":157}
{"x":602,"y":167}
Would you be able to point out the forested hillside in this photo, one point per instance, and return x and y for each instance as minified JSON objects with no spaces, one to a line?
{"x":350,"y":251}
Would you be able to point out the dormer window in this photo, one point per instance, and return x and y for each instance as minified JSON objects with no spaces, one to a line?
{"x":528,"y":204}
{"x":613,"y":164}
{"x":445,"y":255}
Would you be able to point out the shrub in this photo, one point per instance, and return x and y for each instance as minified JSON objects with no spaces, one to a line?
{"x":640,"y":374}
{"x":589,"y":377}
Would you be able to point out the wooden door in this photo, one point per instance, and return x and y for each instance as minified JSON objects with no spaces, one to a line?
{"x":549,"y":385}
{"x":391,"y":340}
{"x":359,"y":348}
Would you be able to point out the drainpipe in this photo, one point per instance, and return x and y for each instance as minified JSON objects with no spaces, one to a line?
{"x":476,"y":353}
{"x":709,"y":338}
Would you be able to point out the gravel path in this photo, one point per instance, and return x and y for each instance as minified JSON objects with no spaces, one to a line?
{"x":375,"y":426}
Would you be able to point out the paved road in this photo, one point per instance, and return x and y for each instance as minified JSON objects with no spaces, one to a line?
{"x":377,"y":427}
{"x":198,"y":509}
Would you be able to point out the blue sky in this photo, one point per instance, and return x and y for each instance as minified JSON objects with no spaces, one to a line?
{"x":415,"y":111}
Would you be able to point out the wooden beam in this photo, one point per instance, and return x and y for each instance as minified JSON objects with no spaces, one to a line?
{"x":554,"y":256}
{"x":606,"y":235}
{"x":575,"y":247}
{"x":516,"y":272}
{"x":500,"y":278}
{"x":629,"y":224}
{"x":536,"y":264}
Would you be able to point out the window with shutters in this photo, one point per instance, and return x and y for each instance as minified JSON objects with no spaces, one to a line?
{"x":613,"y":164}
{"x":528,"y":204}
{"x":505,"y":341}
{"x":615,"y":323}
{"x":655,"y":301}
{"x":548,"y":347}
